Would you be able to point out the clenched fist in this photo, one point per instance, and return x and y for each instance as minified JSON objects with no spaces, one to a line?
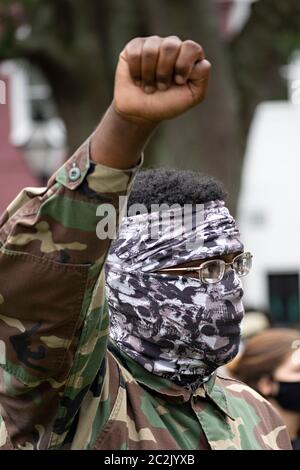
{"x":160,"y":78}
{"x":156,"y":79}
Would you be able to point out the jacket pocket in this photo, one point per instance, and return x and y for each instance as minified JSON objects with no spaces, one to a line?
{"x":40,"y":305}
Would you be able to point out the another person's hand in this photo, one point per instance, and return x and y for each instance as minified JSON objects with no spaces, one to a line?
{"x":160,"y":78}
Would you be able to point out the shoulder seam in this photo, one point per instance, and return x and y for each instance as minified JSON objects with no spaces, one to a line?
{"x":231,"y":379}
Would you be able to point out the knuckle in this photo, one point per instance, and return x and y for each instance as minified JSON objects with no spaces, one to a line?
{"x":190,"y":43}
{"x":134,"y":56}
{"x":155,"y":38}
{"x":149,"y":52}
{"x":171,"y":45}
{"x":182,"y":69}
{"x":170,"y":49}
{"x":208,"y":67}
{"x":194,"y":46}
{"x":173,"y":38}
{"x":152,"y":42}
{"x":200,"y":50}
{"x":134,"y":43}
{"x":133,"y":52}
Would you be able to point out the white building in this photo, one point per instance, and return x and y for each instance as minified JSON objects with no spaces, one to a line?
{"x":233,"y":15}
{"x":268,"y":213}
{"x":34,"y":127}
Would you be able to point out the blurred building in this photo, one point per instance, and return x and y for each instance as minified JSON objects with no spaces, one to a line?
{"x":32,"y":137}
{"x":269,"y":218}
{"x":233,"y":15}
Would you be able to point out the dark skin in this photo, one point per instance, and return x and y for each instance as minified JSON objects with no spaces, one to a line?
{"x":156,"y":79}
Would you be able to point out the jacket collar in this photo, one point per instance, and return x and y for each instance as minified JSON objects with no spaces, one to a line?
{"x":170,"y":391}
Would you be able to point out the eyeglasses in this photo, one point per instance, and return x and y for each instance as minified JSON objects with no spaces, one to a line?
{"x":213,"y":271}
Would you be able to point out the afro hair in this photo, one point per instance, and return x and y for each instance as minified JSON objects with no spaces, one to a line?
{"x":171,"y":186}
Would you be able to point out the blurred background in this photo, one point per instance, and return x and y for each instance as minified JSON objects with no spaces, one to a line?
{"x":57,"y":62}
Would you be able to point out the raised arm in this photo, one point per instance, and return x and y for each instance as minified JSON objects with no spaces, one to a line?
{"x":156,"y":79}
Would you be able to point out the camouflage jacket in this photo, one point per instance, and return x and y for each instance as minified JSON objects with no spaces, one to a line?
{"x":138,"y":410}
{"x":60,"y":386}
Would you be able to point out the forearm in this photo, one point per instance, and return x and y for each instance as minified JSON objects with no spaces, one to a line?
{"x":117,"y":142}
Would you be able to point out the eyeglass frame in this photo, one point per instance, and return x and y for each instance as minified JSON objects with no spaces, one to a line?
{"x":200,"y":268}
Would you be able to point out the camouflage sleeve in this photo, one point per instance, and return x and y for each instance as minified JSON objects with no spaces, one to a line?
{"x":53,"y":320}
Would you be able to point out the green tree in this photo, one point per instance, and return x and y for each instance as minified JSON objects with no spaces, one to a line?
{"x":76,"y":44}
{"x":257,"y":54}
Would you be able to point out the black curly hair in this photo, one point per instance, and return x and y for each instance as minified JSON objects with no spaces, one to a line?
{"x":172,"y":186}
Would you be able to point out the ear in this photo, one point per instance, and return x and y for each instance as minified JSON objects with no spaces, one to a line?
{"x":267,"y":387}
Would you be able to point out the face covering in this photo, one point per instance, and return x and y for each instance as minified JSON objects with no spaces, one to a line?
{"x":288,"y":395}
{"x":174,"y":326}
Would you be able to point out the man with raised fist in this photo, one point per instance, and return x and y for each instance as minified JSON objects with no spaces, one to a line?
{"x":69,"y":380}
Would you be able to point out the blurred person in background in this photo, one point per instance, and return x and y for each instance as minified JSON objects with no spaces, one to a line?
{"x":270,"y":363}
{"x":254,"y":322}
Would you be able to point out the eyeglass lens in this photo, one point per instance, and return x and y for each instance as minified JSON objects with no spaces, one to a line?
{"x":213,"y":271}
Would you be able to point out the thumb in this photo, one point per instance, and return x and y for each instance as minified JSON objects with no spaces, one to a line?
{"x":199,"y":78}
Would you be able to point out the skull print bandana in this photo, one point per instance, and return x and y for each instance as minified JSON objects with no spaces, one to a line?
{"x":175,"y":326}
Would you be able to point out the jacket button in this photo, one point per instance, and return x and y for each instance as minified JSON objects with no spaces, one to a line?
{"x":74,"y":173}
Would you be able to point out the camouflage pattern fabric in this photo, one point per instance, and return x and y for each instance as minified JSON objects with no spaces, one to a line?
{"x":165,"y":238}
{"x":59,"y":387}
{"x":175,"y":326}
{"x":53,"y":318}
{"x":140,"y":411}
